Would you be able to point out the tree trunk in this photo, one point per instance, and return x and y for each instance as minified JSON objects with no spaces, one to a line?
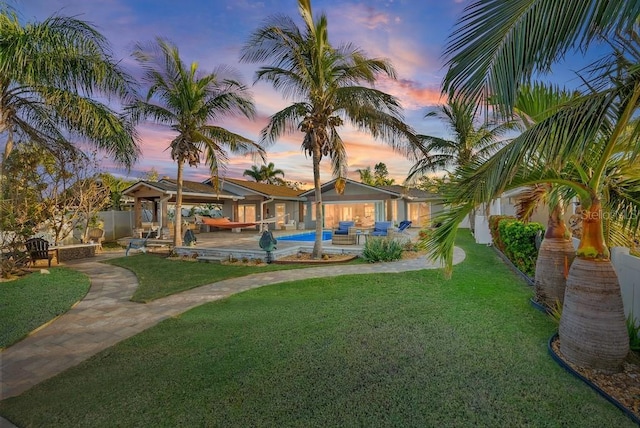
{"x":554,"y":259}
{"x":593,"y":331}
{"x":177,"y":235}
{"x":317,"y":246}
{"x":552,"y":268}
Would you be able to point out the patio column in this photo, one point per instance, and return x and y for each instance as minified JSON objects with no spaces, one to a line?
{"x":137,"y":216}
{"x":234,"y":210}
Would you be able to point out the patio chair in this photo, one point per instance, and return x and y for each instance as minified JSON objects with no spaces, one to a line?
{"x":345,"y":234}
{"x":343,"y":227}
{"x":38,"y":249}
{"x":96,"y":235}
{"x":381,"y":228}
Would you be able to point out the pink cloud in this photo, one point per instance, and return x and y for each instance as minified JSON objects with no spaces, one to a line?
{"x":412,"y":94}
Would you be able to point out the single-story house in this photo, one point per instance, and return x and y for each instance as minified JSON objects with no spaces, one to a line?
{"x":262,"y":201}
{"x":239,"y":200}
{"x":366,"y":204}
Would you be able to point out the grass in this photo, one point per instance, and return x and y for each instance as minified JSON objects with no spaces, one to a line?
{"x":160,"y":277}
{"x":407,"y":349}
{"x":28,"y":302}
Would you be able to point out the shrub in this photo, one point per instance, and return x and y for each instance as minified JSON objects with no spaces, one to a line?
{"x":634,"y":333}
{"x":494,"y":224}
{"x":519,"y":240}
{"x":382,"y":250}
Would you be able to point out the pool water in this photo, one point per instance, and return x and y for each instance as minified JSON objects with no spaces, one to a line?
{"x":306,"y":236}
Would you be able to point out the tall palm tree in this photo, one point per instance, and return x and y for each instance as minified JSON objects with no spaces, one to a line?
{"x":265,"y":174}
{"x":326,"y":86}
{"x":472,"y":140}
{"x":50,"y":75}
{"x":584,"y":136}
{"x":188,"y":102}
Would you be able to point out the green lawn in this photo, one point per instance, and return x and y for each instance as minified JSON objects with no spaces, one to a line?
{"x":159,"y":277}
{"x":35,"y":299}
{"x":410,"y":349}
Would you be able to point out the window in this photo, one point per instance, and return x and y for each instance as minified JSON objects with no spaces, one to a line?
{"x":247,"y":213}
{"x":280,"y":213}
{"x":420,"y":214}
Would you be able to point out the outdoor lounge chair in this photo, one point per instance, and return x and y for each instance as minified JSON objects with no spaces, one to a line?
{"x":381,"y":228}
{"x":38,"y":249}
{"x":404,"y":225}
{"x":345,"y":234}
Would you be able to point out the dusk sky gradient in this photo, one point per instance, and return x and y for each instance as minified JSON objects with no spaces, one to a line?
{"x":411,"y":33}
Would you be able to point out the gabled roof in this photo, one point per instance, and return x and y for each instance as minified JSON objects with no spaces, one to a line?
{"x":263,"y":189}
{"x":330,"y":184}
{"x":411,"y":193}
{"x":192,"y":188}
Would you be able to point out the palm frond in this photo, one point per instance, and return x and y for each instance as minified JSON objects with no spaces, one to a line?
{"x":497,"y":45}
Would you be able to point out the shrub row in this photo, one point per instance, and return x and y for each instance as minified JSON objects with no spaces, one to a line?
{"x":517,"y":240}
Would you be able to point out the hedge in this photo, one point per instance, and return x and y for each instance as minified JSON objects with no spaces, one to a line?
{"x":517,"y":240}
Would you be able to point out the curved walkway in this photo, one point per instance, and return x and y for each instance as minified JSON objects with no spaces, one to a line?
{"x":106,"y":316}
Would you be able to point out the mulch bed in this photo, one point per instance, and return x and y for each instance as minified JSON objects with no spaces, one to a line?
{"x":624,"y":387}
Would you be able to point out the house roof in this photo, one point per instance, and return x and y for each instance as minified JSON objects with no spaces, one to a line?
{"x":411,"y":192}
{"x":397,"y":190}
{"x":348,"y":181}
{"x":189,"y":188}
{"x":264,"y":189}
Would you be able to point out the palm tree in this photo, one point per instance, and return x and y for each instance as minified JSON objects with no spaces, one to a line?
{"x":584,"y":136}
{"x":265,"y":174}
{"x":472,"y":141}
{"x":534,"y":103}
{"x":325,"y":84}
{"x":50,"y":75}
{"x":187,"y":101}
{"x":498,"y":45}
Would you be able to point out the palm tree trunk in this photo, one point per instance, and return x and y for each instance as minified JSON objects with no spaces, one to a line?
{"x":593,"y":330}
{"x":177,"y":236}
{"x":555,"y":256}
{"x":317,"y":246}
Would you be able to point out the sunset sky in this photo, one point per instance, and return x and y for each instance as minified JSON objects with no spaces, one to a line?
{"x":411,"y":33}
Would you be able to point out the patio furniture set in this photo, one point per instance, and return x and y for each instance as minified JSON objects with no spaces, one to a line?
{"x":348,"y":234}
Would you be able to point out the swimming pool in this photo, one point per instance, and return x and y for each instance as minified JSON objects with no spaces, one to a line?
{"x":306,"y":236}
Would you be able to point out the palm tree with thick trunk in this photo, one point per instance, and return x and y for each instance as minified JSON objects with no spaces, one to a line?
{"x":188,"y":102}
{"x":50,"y":75}
{"x":498,"y":45}
{"x":327,"y":86}
{"x":592,"y":328}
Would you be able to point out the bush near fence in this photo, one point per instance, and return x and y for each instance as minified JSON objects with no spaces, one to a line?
{"x":517,"y":240}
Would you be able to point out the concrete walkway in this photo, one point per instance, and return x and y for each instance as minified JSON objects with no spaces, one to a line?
{"x":106,"y":316}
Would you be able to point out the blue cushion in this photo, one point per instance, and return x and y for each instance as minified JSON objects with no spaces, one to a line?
{"x":380,"y":228}
{"x":343,"y":227}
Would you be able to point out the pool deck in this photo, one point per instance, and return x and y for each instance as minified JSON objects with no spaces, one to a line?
{"x":224,"y":244}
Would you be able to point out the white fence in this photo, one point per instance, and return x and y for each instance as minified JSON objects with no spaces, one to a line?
{"x":117,"y":224}
{"x":628,"y":269}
